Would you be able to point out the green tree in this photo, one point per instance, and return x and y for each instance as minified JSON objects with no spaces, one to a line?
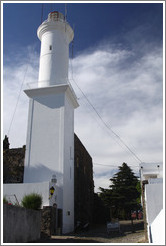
{"x":123,"y":193}
{"x":6,"y":143}
{"x":139,"y":190}
{"x":100,"y":211}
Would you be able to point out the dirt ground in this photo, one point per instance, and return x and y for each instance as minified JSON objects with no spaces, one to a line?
{"x":98,"y":234}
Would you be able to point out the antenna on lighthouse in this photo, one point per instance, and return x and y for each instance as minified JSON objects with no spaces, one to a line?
{"x":51,"y":7}
{"x":72,"y":48}
{"x":42,"y":12}
{"x":65,"y":11}
{"x":65,"y":15}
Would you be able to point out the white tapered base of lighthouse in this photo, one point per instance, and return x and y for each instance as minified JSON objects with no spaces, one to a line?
{"x":50,"y":143}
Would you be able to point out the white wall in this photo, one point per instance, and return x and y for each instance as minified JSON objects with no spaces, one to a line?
{"x":158,"y":229}
{"x":149,"y":170}
{"x":44,"y":156}
{"x":154,"y":204}
{"x":9,"y":190}
{"x":43,"y":188}
{"x":153,"y":172}
{"x":154,"y":200}
{"x":68,"y":195}
{"x":50,"y":144}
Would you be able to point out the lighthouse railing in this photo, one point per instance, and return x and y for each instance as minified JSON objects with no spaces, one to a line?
{"x":46,"y":83}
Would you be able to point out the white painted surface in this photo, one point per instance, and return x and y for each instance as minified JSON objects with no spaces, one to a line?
{"x":9,"y":190}
{"x":55,"y":35}
{"x":50,"y":123}
{"x":68,"y":192}
{"x":151,"y":170}
{"x":50,"y":136}
{"x":46,"y":141}
{"x":153,"y":173}
{"x":154,"y":200}
{"x":50,"y":144}
{"x":56,"y":197}
{"x":158,"y":229}
{"x":43,"y":188}
{"x":155,"y":181}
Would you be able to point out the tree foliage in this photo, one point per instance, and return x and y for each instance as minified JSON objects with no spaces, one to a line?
{"x":123,"y":193}
{"x":101,"y":213}
{"x":6,"y":143}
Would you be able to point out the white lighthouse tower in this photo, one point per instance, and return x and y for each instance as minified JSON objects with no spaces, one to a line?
{"x":55,"y":35}
{"x":50,"y":133}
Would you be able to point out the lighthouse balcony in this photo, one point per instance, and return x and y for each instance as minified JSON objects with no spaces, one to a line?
{"x":47,"y":83}
{"x":42,"y":86}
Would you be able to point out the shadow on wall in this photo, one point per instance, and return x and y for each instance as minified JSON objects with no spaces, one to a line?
{"x":41,"y":173}
{"x":51,"y":101}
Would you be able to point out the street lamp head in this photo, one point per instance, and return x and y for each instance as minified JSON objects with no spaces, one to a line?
{"x":54,"y":180}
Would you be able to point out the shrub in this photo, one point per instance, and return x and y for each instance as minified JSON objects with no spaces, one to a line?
{"x":5,"y":200}
{"x":32,"y":201}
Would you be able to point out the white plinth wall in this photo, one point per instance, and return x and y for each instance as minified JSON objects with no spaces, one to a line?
{"x":50,"y":143}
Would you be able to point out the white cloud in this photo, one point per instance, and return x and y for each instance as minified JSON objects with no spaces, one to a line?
{"x":126,"y":90}
{"x":18,"y":71}
{"x":128,"y":98}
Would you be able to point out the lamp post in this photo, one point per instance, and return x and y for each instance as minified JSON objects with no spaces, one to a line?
{"x":52,"y":187}
{"x":54,"y":180}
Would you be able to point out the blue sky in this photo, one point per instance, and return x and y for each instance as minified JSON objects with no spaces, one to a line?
{"x":93,"y":23}
{"x":117,"y":63}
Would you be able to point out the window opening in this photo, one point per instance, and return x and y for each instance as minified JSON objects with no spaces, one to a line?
{"x":77,"y":162}
{"x":70,"y":172}
{"x":71,"y":154}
